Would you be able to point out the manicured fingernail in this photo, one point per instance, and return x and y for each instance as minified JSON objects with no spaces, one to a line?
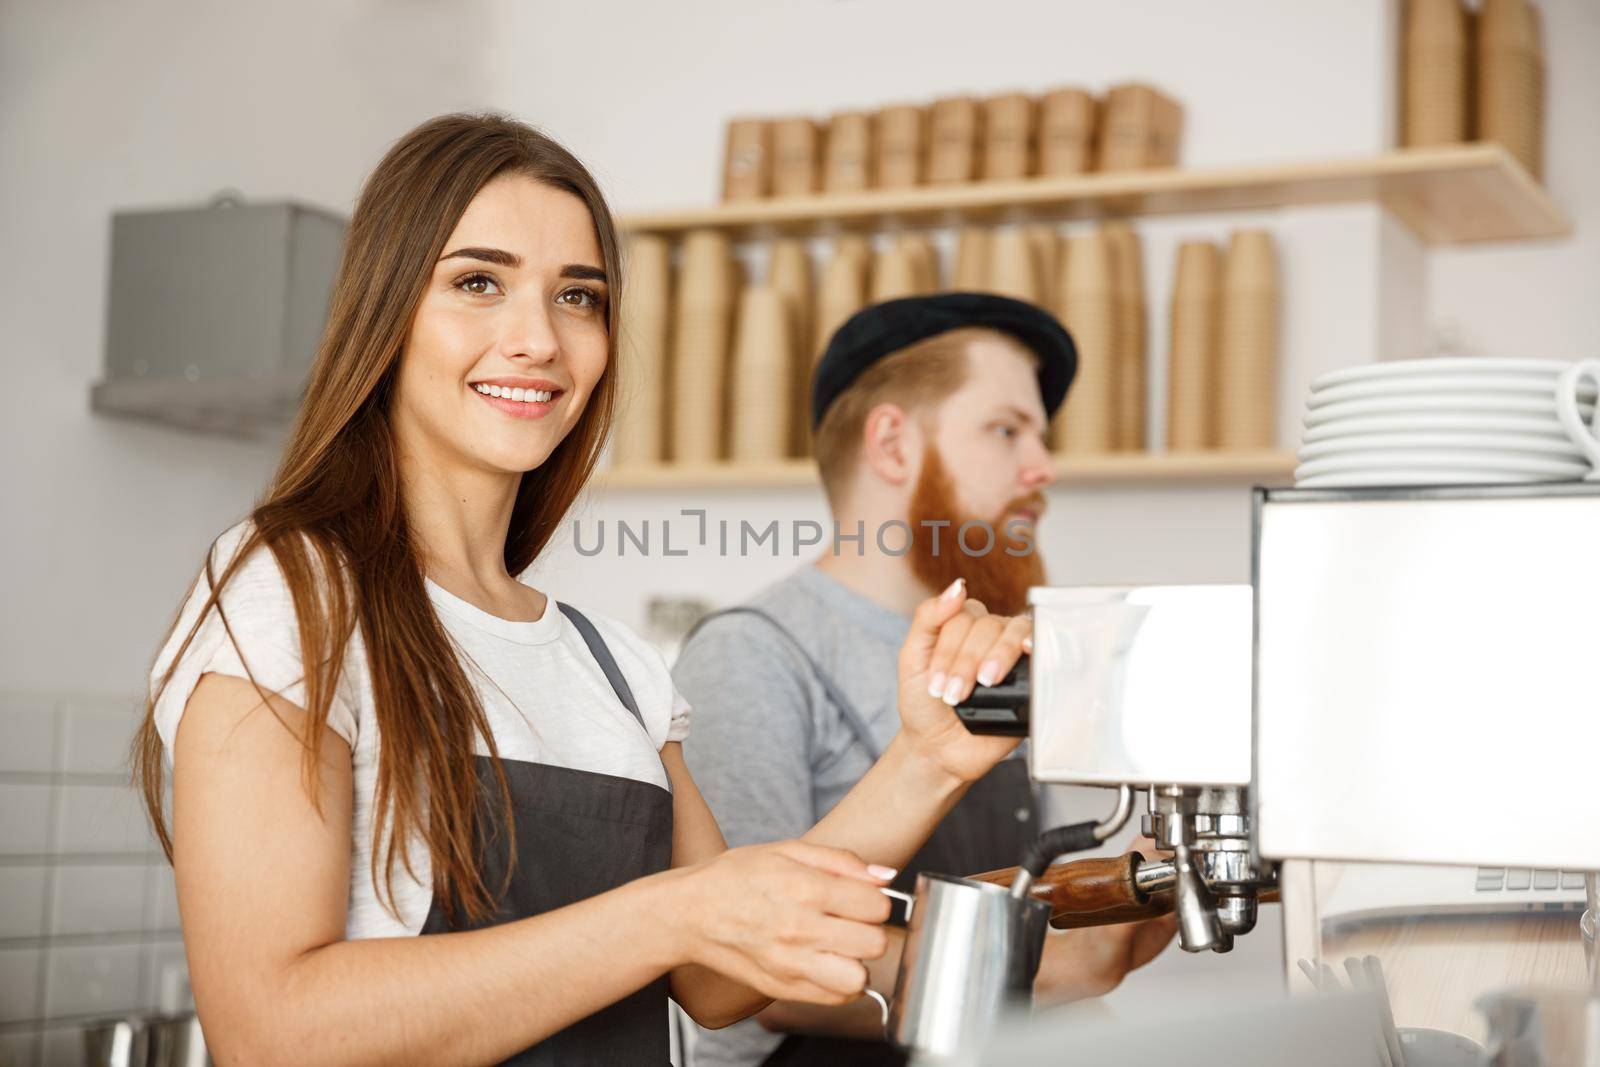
{"x":953,"y":690}
{"x":879,"y":871}
{"x":1027,"y":643}
{"x":989,"y":673}
{"x":954,"y":590}
{"x":936,"y":684}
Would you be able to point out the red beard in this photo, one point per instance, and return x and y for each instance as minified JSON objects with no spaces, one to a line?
{"x":999,"y":570}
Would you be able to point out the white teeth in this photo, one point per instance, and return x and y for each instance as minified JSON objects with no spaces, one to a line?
{"x":526,"y":396}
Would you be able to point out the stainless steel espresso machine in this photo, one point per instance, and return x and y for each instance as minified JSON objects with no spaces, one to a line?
{"x":1149,"y":688}
{"x":1406,"y":696}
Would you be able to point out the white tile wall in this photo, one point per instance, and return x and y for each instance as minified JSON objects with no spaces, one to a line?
{"x":22,"y":897}
{"x":96,"y":738}
{"x":63,"y":1047}
{"x":103,"y":818}
{"x":24,"y":818}
{"x":27,"y":735}
{"x":165,"y":983}
{"x":19,"y":983}
{"x":18,"y":1048}
{"x":92,"y":980}
{"x":99,"y":899}
{"x":160,"y":899}
{"x":88,"y":915}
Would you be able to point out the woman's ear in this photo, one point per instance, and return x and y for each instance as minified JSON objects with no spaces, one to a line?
{"x":889,"y":439}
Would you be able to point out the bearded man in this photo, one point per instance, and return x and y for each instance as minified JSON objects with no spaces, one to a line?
{"x":929,"y":417}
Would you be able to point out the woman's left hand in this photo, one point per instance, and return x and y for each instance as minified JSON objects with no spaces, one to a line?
{"x":955,"y":644}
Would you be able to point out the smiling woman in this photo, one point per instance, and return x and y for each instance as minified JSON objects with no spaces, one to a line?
{"x":376,"y":731}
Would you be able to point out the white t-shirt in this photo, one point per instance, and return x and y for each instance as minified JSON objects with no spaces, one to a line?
{"x":544,"y":695}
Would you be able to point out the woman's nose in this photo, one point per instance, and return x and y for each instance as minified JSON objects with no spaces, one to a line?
{"x":530,"y":335}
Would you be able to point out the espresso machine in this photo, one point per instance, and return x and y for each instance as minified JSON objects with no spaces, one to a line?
{"x":1408,"y":688}
{"x":1147,"y":688}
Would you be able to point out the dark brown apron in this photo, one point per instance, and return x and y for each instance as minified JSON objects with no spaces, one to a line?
{"x":578,"y":833}
{"x":989,"y":827}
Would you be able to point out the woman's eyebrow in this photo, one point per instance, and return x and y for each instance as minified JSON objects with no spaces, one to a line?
{"x":497,"y":256}
{"x":584,"y":272}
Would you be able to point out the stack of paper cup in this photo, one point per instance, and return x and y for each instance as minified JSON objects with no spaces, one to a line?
{"x":640,"y":435}
{"x":953,"y":126}
{"x":843,"y":290}
{"x":747,"y":166}
{"x":1086,"y":423}
{"x":707,"y":291}
{"x":797,"y":157}
{"x":1436,"y":62}
{"x":1008,"y":137}
{"x":1128,"y":298}
{"x":1510,"y":78}
{"x":924,"y":261}
{"x":1248,"y":344}
{"x":899,"y":147}
{"x":1192,"y":369}
{"x":760,"y":397}
{"x":790,"y":275}
{"x":1066,"y":132}
{"x":895,"y":273}
{"x":847,"y":160}
{"x":973,"y":255}
{"x":1046,"y":245}
{"x":1013,"y":267}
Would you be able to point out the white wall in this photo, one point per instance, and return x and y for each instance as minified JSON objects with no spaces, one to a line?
{"x":107,"y":105}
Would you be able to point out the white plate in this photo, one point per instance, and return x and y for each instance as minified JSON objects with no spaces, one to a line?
{"x":1377,"y":479}
{"x":1439,"y":365}
{"x":1416,"y":459}
{"x":1444,"y":442}
{"x":1488,"y":404}
{"x":1527,"y":384}
{"x":1440,"y":422}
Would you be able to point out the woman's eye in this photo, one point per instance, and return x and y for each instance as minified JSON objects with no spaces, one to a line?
{"x":579,"y":297}
{"x":1008,"y":432}
{"x":479,"y":284}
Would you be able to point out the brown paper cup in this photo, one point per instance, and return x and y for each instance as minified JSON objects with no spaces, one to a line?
{"x":1192,"y":362}
{"x":760,"y":402}
{"x":639,"y":438}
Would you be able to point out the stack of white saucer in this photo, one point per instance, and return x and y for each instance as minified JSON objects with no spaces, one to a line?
{"x":1443,"y":421}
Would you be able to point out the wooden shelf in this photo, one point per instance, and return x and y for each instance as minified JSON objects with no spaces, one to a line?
{"x":1131,"y":468}
{"x":1454,"y":194}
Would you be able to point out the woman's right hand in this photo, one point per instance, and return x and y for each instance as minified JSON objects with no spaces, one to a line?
{"x":792,"y":920}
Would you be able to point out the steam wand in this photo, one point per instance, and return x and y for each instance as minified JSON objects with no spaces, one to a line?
{"x":1065,"y":839}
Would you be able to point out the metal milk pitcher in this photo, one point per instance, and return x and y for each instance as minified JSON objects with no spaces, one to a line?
{"x":972,"y":950}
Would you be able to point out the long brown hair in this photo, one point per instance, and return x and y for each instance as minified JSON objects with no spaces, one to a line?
{"x":333,"y":516}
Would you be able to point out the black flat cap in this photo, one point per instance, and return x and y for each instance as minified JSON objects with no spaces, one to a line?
{"x":879,"y":330}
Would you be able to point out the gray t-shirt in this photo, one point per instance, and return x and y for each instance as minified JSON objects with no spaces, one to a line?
{"x":769,"y":750}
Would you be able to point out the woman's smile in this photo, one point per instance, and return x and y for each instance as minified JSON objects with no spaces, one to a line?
{"x":520,"y":398}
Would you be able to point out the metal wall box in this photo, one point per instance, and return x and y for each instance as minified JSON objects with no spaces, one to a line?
{"x":215,"y":313}
{"x":1145,"y":685}
{"x":1428,"y":675}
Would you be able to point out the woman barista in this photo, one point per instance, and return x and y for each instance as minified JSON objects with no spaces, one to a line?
{"x":377,"y":732}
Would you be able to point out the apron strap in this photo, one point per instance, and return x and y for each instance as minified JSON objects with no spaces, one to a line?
{"x":852,"y":718}
{"x":603,"y":656}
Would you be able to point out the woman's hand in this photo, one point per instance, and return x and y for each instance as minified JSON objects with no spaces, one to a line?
{"x":953,"y":645}
{"x":1093,"y":960}
{"x":792,"y":920}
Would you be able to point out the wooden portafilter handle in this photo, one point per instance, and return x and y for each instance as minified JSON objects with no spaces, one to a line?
{"x":1092,"y":892}
{"x":1102,"y":891}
